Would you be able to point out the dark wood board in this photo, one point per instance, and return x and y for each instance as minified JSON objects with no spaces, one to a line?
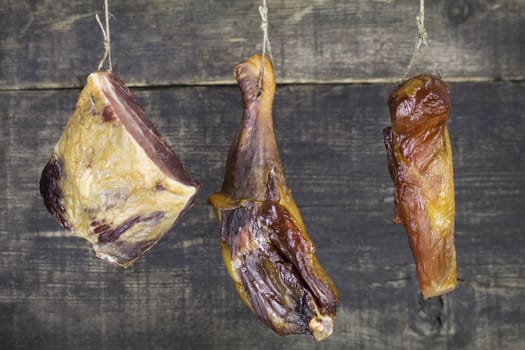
{"x":50,"y":44}
{"x":54,"y":293}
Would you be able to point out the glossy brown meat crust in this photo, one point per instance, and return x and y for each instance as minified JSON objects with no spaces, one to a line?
{"x":264,"y":242}
{"x":420,"y":164}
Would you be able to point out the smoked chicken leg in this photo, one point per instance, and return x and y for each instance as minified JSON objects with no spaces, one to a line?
{"x":265,"y":247}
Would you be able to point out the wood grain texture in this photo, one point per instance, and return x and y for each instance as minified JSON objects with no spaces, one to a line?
{"x":55,"y":294}
{"x":49,"y":44}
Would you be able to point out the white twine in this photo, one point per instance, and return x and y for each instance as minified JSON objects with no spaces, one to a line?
{"x":422,"y":38}
{"x":266,"y":48}
{"x":107,"y":41}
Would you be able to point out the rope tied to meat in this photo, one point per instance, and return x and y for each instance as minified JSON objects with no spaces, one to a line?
{"x":266,"y":48}
{"x":421,"y":40}
{"x":107,"y":40}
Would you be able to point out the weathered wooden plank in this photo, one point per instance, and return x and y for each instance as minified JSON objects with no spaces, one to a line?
{"x":159,"y":42}
{"x":55,"y":294}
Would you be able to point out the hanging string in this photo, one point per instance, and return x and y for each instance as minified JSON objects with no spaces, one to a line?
{"x":107,"y":41}
{"x":422,"y":38}
{"x":266,"y":48}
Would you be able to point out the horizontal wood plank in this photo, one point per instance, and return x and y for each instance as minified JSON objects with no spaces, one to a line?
{"x":55,"y":44}
{"x":54,"y":293}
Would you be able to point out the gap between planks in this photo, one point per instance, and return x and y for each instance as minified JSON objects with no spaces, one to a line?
{"x":280,"y":82}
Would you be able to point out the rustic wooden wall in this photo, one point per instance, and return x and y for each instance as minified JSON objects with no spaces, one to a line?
{"x":336,"y":63}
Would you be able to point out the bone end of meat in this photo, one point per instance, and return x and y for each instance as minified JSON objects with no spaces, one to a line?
{"x":111,"y":178}
{"x":420,"y":163}
{"x":247,"y":75}
{"x":321,"y":327}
